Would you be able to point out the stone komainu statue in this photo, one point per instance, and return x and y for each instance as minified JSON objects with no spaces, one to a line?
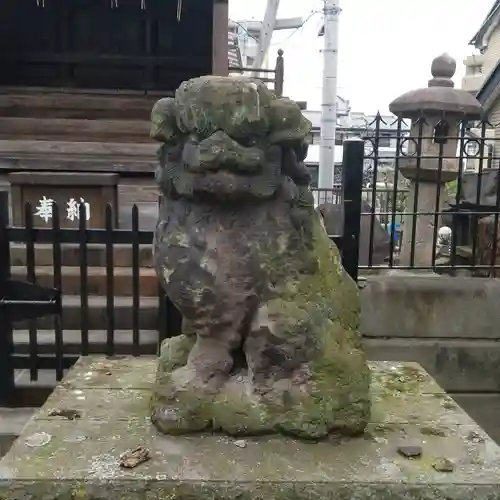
{"x":270,"y":340}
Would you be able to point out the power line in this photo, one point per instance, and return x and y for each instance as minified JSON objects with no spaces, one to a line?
{"x":299,"y":28}
{"x":244,"y":29}
{"x":295,"y":31}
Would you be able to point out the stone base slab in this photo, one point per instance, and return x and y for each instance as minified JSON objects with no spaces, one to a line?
{"x":79,"y":459}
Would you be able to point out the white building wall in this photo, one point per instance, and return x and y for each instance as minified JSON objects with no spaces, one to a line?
{"x":492,"y":52}
{"x":479,"y":66}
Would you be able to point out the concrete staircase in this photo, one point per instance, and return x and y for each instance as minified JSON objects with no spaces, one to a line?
{"x":97,"y":319}
{"x":12,"y":421}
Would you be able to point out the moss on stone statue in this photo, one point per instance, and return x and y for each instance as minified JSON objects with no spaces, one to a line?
{"x":238,"y":414}
{"x":327,"y":304}
{"x":183,"y":406}
{"x":237,"y":106}
{"x":175,"y":351}
{"x":320,"y":309}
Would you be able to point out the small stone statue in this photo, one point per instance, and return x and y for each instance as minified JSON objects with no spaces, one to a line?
{"x":270,"y":336}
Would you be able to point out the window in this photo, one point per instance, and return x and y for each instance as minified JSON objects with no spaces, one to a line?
{"x":384,"y":141}
{"x":474,"y":70}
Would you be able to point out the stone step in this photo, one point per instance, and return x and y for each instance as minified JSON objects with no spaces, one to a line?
{"x":97,"y":317}
{"x":96,"y":280}
{"x":72,"y":342}
{"x":12,"y":422}
{"x":72,"y":256}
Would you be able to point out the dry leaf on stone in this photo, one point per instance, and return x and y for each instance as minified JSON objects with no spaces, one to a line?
{"x":131,"y":459}
{"x":69,"y":414}
{"x":443,"y":465}
{"x":474,"y":437}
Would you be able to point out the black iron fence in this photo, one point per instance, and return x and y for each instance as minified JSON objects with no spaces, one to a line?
{"x":430,"y":197}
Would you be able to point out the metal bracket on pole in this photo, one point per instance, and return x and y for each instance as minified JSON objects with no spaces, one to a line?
{"x":21,"y":300}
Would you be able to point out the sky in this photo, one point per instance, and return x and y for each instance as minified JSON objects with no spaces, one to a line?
{"x":385,"y":46}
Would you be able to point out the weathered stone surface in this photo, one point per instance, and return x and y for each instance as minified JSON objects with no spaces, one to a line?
{"x":271,"y":337}
{"x":410,"y":450}
{"x":163,"y":126}
{"x":81,"y":458}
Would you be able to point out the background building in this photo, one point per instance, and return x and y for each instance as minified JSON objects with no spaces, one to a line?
{"x":487,"y":43}
{"x":244,"y":36}
{"x":482,"y":78}
{"x":356,"y":124}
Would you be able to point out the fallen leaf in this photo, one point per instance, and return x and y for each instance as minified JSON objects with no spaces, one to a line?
{"x":69,"y":414}
{"x":443,"y":465}
{"x":131,"y":459}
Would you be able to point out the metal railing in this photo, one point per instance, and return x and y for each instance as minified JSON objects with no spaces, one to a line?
{"x":438,"y":202}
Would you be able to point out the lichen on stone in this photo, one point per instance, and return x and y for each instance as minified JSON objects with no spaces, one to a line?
{"x":270,"y":339}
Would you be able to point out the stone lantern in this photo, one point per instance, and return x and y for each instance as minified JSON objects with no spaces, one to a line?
{"x":431,"y":159}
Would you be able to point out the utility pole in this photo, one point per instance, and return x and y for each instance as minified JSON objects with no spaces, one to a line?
{"x":329,"y":104}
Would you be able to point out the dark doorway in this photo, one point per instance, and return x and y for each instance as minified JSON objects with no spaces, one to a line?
{"x":104,"y":44}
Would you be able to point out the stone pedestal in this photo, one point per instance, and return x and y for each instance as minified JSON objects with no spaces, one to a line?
{"x":424,"y":221}
{"x":109,"y":400}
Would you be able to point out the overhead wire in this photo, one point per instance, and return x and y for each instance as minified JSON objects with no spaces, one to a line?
{"x":295,"y":30}
{"x":298,"y":28}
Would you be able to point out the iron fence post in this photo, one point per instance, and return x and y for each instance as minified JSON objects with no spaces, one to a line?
{"x":352,"y":171}
{"x":6,"y":337}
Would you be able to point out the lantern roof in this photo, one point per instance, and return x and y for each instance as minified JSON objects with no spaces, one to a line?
{"x":439,"y":97}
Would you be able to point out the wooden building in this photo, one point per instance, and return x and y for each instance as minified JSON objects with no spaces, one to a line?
{"x":79,"y":77}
